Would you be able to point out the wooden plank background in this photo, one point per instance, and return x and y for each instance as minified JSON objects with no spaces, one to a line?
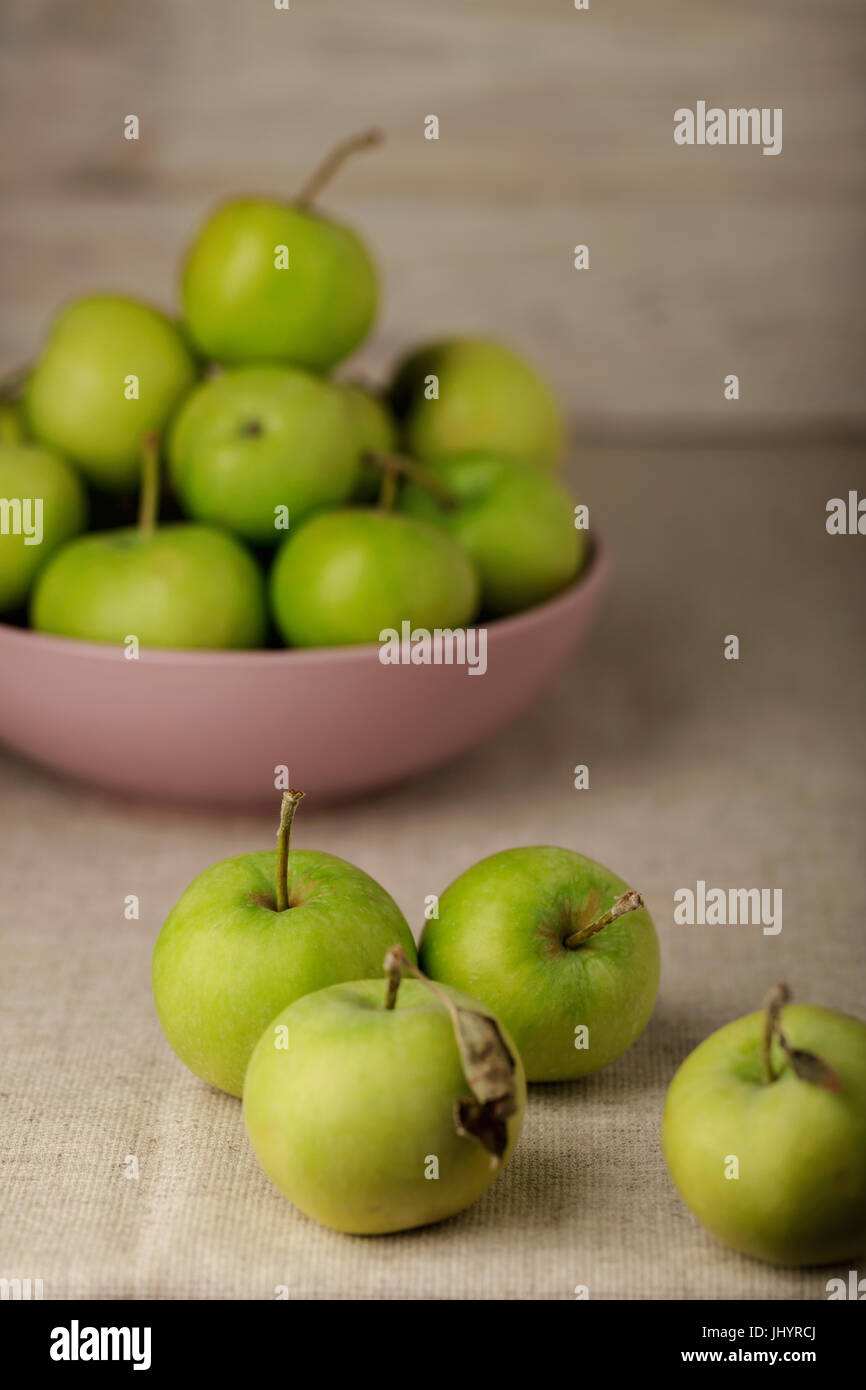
{"x":556,"y":128}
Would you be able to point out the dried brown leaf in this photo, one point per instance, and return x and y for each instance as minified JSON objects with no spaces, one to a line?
{"x":487,"y":1063}
{"x":814,"y":1069}
{"x":486,"y":1123}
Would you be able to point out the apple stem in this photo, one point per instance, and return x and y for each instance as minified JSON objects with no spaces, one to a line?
{"x":148,"y":498}
{"x":629,"y":902}
{"x":397,"y":963}
{"x":393,"y":464}
{"x":291,"y":801}
{"x":774,"y":1001}
{"x":333,"y":161}
{"x":393,"y":966}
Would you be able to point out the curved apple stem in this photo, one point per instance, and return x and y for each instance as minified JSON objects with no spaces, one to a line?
{"x":774,"y":1001}
{"x":148,"y":497}
{"x":291,"y":801}
{"x":333,"y":161}
{"x":397,"y":963}
{"x":392,"y":464}
{"x":629,"y":902}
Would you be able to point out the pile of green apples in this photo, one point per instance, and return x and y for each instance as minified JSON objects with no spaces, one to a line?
{"x":276,"y":502}
{"x":378,"y":1103}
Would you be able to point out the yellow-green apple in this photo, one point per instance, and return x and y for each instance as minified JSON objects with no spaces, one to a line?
{"x":113,"y":370}
{"x":348,"y":575}
{"x":765,"y":1133}
{"x":277,"y":281}
{"x":378,"y":1108}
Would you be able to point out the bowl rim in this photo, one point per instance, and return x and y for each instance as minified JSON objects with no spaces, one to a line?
{"x":590,"y":576}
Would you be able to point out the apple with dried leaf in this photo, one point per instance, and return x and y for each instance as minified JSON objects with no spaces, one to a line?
{"x":765,"y":1133}
{"x":383,"y":1105}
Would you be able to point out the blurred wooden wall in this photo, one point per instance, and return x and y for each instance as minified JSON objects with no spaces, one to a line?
{"x":556,"y":128}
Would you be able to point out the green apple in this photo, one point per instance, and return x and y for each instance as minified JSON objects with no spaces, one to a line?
{"x":176,"y":585}
{"x":185,"y":586}
{"x":367,"y":1107}
{"x":254,"y":441}
{"x":516,"y":523}
{"x":268,"y":281}
{"x":252,"y":934}
{"x":347,"y":575}
{"x":765,"y":1133}
{"x":42,"y":504}
{"x":375,"y":432}
{"x":558,"y":946}
{"x":112,"y":371}
{"x":468,"y":395}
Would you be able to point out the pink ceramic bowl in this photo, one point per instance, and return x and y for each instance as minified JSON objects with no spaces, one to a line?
{"x":210,"y":727}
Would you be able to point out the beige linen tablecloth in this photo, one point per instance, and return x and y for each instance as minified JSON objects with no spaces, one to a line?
{"x":745,"y":773}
